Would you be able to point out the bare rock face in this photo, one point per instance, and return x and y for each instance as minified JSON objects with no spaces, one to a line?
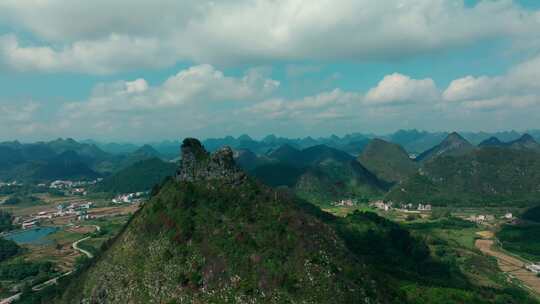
{"x":199,"y":165}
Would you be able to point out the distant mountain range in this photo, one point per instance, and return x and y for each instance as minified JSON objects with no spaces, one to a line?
{"x":64,"y":159}
{"x":413,"y":141}
{"x":492,"y":173}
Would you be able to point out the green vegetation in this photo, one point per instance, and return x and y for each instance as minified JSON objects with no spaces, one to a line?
{"x":21,"y":200}
{"x":278,"y":174}
{"x":451,"y":242}
{"x":8,"y":249}
{"x":452,"y":145}
{"x":522,"y":239}
{"x":141,"y":176}
{"x":6,"y":220}
{"x":485,"y":177}
{"x":389,"y":161}
{"x":532,"y":214}
{"x":320,"y":175}
{"x":233,"y":241}
{"x":333,"y":180}
{"x":21,"y":269}
{"x":216,"y":243}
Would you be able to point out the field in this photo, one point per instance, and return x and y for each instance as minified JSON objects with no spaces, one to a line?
{"x":522,"y":239}
{"x":452,"y":240}
{"x":57,"y":250}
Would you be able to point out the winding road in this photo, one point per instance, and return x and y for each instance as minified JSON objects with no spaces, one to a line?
{"x":53,"y":281}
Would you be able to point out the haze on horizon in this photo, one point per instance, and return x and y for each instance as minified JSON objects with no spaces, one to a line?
{"x":290,"y":68}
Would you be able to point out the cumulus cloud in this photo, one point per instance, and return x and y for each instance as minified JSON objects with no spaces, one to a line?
{"x":200,"y":84}
{"x":104,"y":56}
{"x":517,"y":88}
{"x":325,"y":105}
{"x":101,"y":37}
{"x":18,"y":113}
{"x":401,"y":89}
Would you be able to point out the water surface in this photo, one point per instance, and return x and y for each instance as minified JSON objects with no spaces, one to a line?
{"x":34,"y":236}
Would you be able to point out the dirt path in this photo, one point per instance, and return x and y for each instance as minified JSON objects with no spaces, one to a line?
{"x":514,"y":267}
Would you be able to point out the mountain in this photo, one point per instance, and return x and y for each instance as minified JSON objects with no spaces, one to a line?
{"x":89,"y":151}
{"x":492,"y":142}
{"x":248,"y":160}
{"x":485,"y":176}
{"x":319,"y":174}
{"x":215,"y":235}
{"x":389,"y":161}
{"x":67,"y":165}
{"x":58,"y":159}
{"x":525,"y":142}
{"x":138,"y":177}
{"x":332,"y":180}
{"x":453,"y":145}
{"x":288,"y":154}
{"x":414,"y":141}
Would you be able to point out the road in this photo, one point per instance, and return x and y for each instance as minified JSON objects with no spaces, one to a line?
{"x":76,"y":247}
{"x":85,"y":252}
{"x":513,"y":266}
{"x":52,"y":281}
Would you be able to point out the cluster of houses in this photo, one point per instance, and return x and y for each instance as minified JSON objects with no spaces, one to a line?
{"x":412,"y":207}
{"x":68,"y":184}
{"x":387,"y":206}
{"x":77,"y":209}
{"x":130,"y":198}
{"x":344,"y":203}
{"x":10,"y":184}
{"x":72,"y":187}
{"x":483,"y":218}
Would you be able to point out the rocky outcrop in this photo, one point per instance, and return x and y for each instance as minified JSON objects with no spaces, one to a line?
{"x":199,"y":165}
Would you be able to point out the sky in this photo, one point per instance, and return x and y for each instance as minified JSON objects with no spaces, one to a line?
{"x":134,"y":70}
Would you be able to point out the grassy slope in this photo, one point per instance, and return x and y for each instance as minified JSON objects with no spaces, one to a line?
{"x":388,"y":161}
{"x":141,"y":176}
{"x":488,"y":176}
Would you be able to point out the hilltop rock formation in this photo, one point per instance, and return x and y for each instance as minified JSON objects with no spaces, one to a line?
{"x":199,"y":165}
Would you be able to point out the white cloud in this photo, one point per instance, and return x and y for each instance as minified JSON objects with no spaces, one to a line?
{"x":401,"y":89}
{"x":198,"y":85}
{"x":110,"y":54}
{"x":517,"y":88}
{"x":109,"y":36}
{"x":325,"y":105}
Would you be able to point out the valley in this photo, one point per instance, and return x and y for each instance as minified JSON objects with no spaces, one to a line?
{"x":423,"y":228}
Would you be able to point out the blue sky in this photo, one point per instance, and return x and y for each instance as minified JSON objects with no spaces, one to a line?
{"x":169,"y":69}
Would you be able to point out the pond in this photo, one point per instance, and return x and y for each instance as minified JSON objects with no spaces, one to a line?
{"x":34,"y":236}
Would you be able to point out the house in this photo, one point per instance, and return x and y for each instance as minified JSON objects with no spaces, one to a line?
{"x":344,"y":203}
{"x":30,"y":224}
{"x":534,"y":268}
{"x":422,"y":207}
{"x":508,"y":216}
{"x":382,"y":205}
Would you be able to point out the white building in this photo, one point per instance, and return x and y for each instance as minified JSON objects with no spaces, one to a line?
{"x":535,"y":268}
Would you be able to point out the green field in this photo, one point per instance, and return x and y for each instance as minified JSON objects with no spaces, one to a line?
{"x":522,"y":239}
